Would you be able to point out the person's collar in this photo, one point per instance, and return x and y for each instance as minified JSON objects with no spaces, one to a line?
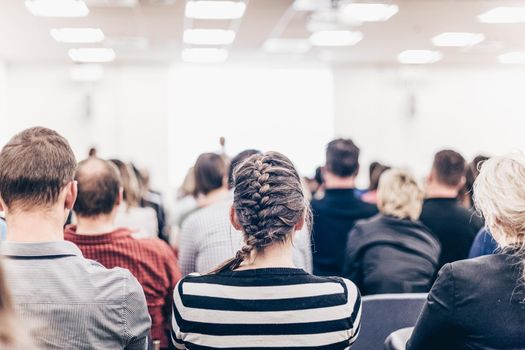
{"x":340,"y":191}
{"x":70,"y":234}
{"x":41,"y":249}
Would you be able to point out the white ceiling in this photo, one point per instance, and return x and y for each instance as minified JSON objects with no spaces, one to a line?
{"x":25,"y":38}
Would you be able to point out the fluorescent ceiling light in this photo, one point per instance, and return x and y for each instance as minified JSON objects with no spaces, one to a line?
{"x":217,"y":9}
{"x":112,"y":3}
{"x":419,"y":56}
{"x":311,"y":5}
{"x":356,"y":12}
{"x":204,"y":55}
{"x":504,"y":14}
{"x":284,"y":45}
{"x":77,"y":35}
{"x":87,"y":72}
{"x":335,"y":38}
{"x":457,"y":39}
{"x":92,"y":55}
{"x":208,"y":36}
{"x":516,"y":57}
{"x":57,"y":8}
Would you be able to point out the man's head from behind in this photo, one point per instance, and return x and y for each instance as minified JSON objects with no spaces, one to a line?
{"x":99,"y":188}
{"x":448,"y":169}
{"x":36,"y":172}
{"x":342,"y":163}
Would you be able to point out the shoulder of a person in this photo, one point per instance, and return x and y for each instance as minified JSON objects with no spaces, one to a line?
{"x":192,"y":277}
{"x":476,"y":266}
{"x":375,"y":220}
{"x":118,"y":276}
{"x":353,"y":296}
{"x":348,"y":287}
{"x":155,"y":245}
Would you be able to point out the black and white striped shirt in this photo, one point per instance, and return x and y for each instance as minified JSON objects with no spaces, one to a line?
{"x":273,"y":308}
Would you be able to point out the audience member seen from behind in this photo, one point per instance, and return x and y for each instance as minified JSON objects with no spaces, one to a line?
{"x":371,"y":195}
{"x":393,"y":252}
{"x":152,"y":199}
{"x":141,"y":221}
{"x":14,"y":334}
{"x":478,"y":303}
{"x":484,"y":244}
{"x":454,"y":226}
{"x":258,"y":298}
{"x":208,"y":238}
{"x":336,"y":213}
{"x":185,"y":204}
{"x":466,"y":193}
{"x":83,"y":304}
{"x":203,"y":234}
{"x":211,"y":181}
{"x":151,"y":261}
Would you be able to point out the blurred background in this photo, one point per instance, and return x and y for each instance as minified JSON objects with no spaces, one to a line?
{"x":157,"y":82}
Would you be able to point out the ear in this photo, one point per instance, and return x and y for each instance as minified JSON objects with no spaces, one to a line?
{"x":462,"y":182}
{"x":120,"y":197}
{"x":2,"y":205}
{"x":300,"y":224}
{"x":71,"y":195}
{"x":430,"y":177}
{"x":234,"y":220}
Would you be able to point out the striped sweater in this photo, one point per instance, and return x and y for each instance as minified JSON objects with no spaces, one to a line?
{"x":272,"y":308}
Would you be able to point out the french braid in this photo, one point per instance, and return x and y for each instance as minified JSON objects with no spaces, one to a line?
{"x":268,"y":200}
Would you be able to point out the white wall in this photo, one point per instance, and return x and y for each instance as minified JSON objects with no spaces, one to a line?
{"x":286,"y":109}
{"x":472,"y":110}
{"x":163,"y":117}
{"x":124,"y":115}
{"x":3,"y":102}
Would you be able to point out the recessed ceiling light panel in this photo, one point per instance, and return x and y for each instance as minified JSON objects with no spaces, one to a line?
{"x":419,"y":56}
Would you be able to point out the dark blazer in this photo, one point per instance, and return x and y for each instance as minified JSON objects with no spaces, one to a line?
{"x":334,"y":217}
{"x":454,"y":226}
{"x":390,"y":255}
{"x":474,"y":304}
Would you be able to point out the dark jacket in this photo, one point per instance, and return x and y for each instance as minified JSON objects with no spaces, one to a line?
{"x":484,"y":244}
{"x":334,"y":217}
{"x":454,"y":226}
{"x":390,"y":255}
{"x":474,"y":304}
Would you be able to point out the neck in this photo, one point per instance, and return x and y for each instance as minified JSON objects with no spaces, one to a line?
{"x":332,"y":181}
{"x":441,"y":191}
{"x":35,"y":226}
{"x":213,"y":196}
{"x":275,"y":255}
{"x":97,"y":225}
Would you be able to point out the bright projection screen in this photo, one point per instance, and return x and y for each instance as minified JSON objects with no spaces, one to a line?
{"x":287,"y":110}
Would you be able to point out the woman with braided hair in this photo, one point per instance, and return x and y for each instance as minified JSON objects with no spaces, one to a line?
{"x":258,"y":298}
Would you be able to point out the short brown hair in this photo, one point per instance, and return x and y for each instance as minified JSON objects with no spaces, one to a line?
{"x":449,"y":167}
{"x":35,"y":165}
{"x":210,"y":172}
{"x":342,"y":157}
{"x":99,"y":185}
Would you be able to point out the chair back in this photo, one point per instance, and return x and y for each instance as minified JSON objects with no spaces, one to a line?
{"x":383,"y":314}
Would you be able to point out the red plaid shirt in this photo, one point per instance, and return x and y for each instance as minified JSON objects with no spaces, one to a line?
{"x":151,"y":261}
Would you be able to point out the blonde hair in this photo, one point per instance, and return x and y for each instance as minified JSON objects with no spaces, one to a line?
{"x":499,"y":194}
{"x":399,"y":195}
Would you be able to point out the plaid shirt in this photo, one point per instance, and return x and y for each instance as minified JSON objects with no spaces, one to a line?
{"x":151,"y":261}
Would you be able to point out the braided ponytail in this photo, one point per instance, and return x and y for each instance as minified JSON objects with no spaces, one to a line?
{"x":268,"y":201}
